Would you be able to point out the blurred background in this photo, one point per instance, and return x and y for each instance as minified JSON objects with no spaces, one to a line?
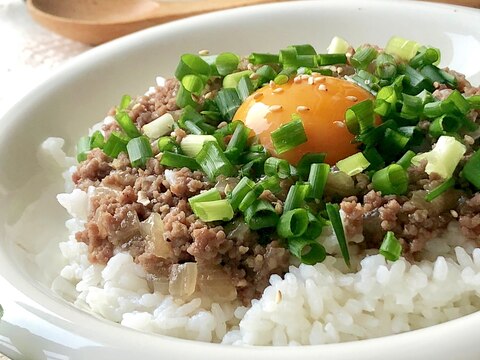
{"x":31,"y":52}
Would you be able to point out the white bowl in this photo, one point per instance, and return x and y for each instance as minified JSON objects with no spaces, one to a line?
{"x":37,"y":324}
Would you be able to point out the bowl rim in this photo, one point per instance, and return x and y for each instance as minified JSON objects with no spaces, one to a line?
{"x":66,"y":314}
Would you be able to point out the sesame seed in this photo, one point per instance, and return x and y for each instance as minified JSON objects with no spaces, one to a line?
{"x":297,"y":79}
{"x":340,"y":124}
{"x":319,"y":79}
{"x":348,"y":54}
{"x":209,"y":95}
{"x":315,"y":74}
{"x":275,"y":108}
{"x":254,"y":76}
{"x":277,"y":90}
{"x":278,"y":297}
{"x":302,"y":108}
{"x":367,"y":82}
{"x":469,"y":140}
{"x":436,"y":84}
{"x":136,"y":106}
{"x":304,"y":76}
{"x":339,"y":69}
{"x":278,"y":208}
{"x":250,"y":66}
{"x":311,"y":80}
{"x":322,"y":87}
{"x":351,"y":98}
{"x":454,"y":213}
{"x":257,"y":95}
{"x":271,"y":83}
{"x":222,"y":125}
{"x":203,"y":52}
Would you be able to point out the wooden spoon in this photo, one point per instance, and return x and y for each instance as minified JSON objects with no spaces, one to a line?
{"x":97,"y":21}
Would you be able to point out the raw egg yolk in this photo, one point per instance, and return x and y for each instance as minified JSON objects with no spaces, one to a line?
{"x":320,"y":101}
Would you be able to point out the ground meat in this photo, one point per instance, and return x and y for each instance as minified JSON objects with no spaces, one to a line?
{"x":126,"y":196}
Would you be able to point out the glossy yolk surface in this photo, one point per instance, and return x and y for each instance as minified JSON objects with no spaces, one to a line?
{"x":321,"y":102}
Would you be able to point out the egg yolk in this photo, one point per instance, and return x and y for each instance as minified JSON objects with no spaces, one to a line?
{"x":320,"y":101}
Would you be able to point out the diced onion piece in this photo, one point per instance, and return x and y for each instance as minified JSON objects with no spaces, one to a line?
{"x":338,"y":46}
{"x":403,"y":48}
{"x":159,"y":127}
{"x":152,"y":229}
{"x":183,"y":279}
{"x":192,"y":144}
{"x":216,"y":284}
{"x":444,"y":157}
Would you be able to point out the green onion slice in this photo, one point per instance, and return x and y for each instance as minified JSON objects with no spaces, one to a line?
{"x":178,"y":161}
{"x":289,"y":135}
{"x":359,"y":118}
{"x":353,"y":164}
{"x":83,"y":148}
{"x":309,"y":252}
{"x":210,"y":195}
{"x":240,"y":191}
{"x":439,"y":190}
{"x":318,"y":179}
{"x":139,"y":151}
{"x":116,"y":143}
{"x":471,"y":170}
{"x":127,"y":125}
{"x":227,"y":63}
{"x":260,"y":215}
{"x":296,"y":196}
{"x":293,"y":223}
{"x":275,"y":166}
{"x":213,"y":161}
{"x":392,"y":180}
{"x":217,"y":210}
{"x":333,"y":212}
{"x":391,"y":248}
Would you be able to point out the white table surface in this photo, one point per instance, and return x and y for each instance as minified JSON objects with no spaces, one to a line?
{"x":29,"y":52}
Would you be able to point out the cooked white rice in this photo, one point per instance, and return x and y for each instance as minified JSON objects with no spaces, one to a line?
{"x":325,"y":303}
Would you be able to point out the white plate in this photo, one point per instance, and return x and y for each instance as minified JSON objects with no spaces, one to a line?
{"x":39,"y":325}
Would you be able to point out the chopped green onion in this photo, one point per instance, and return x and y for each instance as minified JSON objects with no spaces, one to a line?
{"x":116,"y":143}
{"x":248,"y":200}
{"x":412,"y":107}
{"x":386,"y":66}
{"x":304,"y":49}
{"x":263,"y":58}
{"x":159,"y":127}
{"x":438,"y":108}
{"x":415,"y":82}
{"x":237,"y":142}
{"x":227,"y":63}
{"x":276,"y":166}
{"x":315,"y":226}
{"x":167,"y":143}
{"x":232,"y":80}
{"x":391,"y":248}
{"x":471,"y":170}
{"x":260,"y":214}
{"x":240,"y":191}
{"x":192,"y":64}
{"x":392,"y":180}
{"x":228,"y":102}
{"x":331,"y":59}
{"x":193,"y":84}
{"x":285,"y":75}
{"x":385,"y":100}
{"x":178,"y":161}
{"x":245,"y":88}
{"x":126,"y":100}
{"x":309,"y":252}
{"x":139,"y":151}
{"x":193,"y":128}
{"x":353,"y":164}
{"x":444,"y":125}
{"x":425,"y":56}
{"x":432,"y":73}
{"x":217,"y":210}
{"x":288,"y":136}
{"x":393,"y":143}
{"x":293,"y":223}
{"x":296,"y":196}
{"x":97,"y":140}
{"x":363,"y":57}
{"x":374,"y":158}
{"x":443,"y":158}
{"x":403,"y":48}
{"x":317,"y":179}
{"x":304,"y":165}
{"x":192,"y":144}
{"x":265,"y":74}
{"x":406,"y":159}
{"x":338,"y":45}
{"x":439,"y":190}
{"x":450,"y":79}
{"x":127,"y":125}
{"x":462,"y":104}
{"x":213,"y":161}
{"x":359,"y":118}
{"x":210,"y":195}
{"x":83,"y":148}
{"x":271,"y":183}
{"x":474,"y":101}
{"x":333,"y":212}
